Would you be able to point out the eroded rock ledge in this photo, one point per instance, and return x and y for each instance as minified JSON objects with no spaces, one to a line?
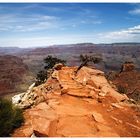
{"x":82,"y":105}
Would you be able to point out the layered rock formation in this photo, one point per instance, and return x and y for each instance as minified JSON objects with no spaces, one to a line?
{"x":78,"y":105}
{"x":13,"y":74}
{"x":128,"y":66}
{"x":128,"y":81}
{"x":11,"y":71}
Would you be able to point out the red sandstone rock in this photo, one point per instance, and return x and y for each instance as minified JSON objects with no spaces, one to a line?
{"x":128,"y":66}
{"x":76,"y":110}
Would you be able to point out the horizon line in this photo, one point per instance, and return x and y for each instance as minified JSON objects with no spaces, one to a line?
{"x":55,"y":45}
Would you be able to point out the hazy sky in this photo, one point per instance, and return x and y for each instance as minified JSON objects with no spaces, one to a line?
{"x":42,"y":24}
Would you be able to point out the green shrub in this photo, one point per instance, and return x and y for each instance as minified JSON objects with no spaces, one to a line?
{"x":51,"y":61}
{"x":11,"y":117}
{"x":41,"y":77}
{"x":85,"y":59}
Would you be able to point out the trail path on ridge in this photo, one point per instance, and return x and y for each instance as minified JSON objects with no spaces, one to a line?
{"x":79,"y":106}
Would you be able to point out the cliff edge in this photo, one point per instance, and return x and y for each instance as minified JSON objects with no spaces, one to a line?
{"x":81,"y":105}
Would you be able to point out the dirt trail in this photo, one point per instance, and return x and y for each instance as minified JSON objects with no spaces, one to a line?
{"x":81,"y":106}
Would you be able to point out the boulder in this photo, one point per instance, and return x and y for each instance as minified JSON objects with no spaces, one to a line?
{"x":28,"y":99}
{"x":58,"y":66}
{"x":98,"y":117}
{"x":17,"y":98}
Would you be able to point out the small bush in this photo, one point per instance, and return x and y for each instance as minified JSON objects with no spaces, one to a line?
{"x":11,"y":117}
{"x":112,"y":75}
{"x":122,"y":89}
{"x":51,"y":61}
{"x":41,"y":77}
{"x":136,"y":96}
{"x":85,"y":59}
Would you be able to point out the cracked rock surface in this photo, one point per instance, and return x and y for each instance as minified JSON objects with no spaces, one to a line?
{"x":82,"y":105}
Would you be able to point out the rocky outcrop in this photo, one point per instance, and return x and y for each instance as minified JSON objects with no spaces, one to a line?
{"x":128,"y":81}
{"x":27,"y":99}
{"x":58,"y":66}
{"x":82,"y":105}
{"x":128,"y":66}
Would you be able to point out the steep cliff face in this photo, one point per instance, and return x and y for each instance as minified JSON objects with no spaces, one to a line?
{"x":13,"y":74}
{"x":82,"y":105}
